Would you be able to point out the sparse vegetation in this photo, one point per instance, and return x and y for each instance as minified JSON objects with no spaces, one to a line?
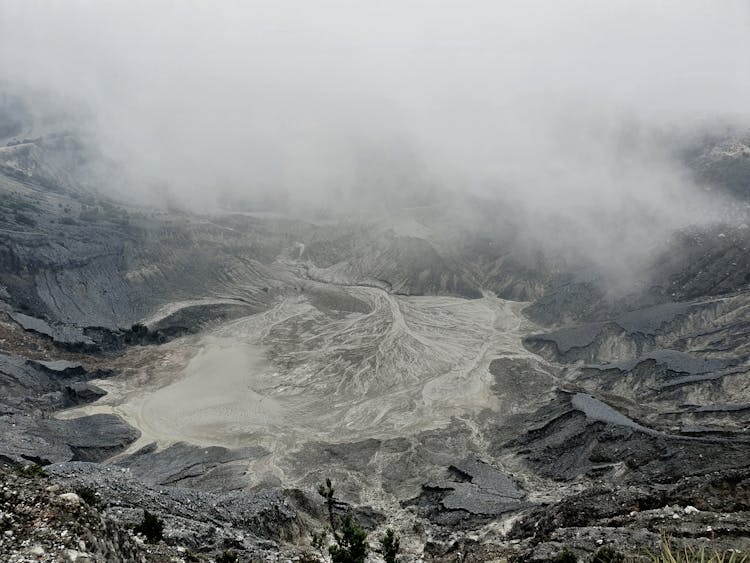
{"x":151,"y":527}
{"x":608,"y":554}
{"x":565,"y":556}
{"x":194,"y":557}
{"x":228,"y":557}
{"x":389,"y":546}
{"x":140,"y":334}
{"x":349,"y":538}
{"x":32,"y":470}
{"x":351,"y":542}
{"x":89,"y":496}
{"x":139,"y":329}
{"x":669,"y":554}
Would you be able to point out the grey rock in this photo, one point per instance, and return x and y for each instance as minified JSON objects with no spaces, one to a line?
{"x":189,"y":464}
{"x":61,"y":333}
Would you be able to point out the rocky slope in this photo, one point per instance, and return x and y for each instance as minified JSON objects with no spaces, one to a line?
{"x":391,"y":355}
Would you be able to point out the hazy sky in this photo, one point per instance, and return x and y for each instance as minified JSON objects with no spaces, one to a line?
{"x":296,"y":94}
{"x":558,"y":105}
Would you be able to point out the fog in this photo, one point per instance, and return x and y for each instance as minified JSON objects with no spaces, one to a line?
{"x":565,"y":110}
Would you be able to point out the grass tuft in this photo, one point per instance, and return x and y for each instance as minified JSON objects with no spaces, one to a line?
{"x":670,"y":554}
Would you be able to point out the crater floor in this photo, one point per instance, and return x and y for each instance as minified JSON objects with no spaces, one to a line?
{"x":301,"y":373}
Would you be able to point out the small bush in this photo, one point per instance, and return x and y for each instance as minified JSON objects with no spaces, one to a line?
{"x":351,"y":542}
{"x":389,"y":546}
{"x":565,"y":556}
{"x":139,"y":334}
{"x":89,"y":496}
{"x":228,"y":557}
{"x":669,"y":554}
{"x":350,"y":539}
{"x":32,"y":470}
{"x":152,"y":527}
{"x":139,"y":329}
{"x":193,"y":557}
{"x":608,"y":555}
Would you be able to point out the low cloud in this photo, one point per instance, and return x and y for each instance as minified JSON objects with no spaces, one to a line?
{"x":565,"y":111}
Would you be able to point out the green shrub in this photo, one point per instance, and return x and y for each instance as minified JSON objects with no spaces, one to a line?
{"x":389,"y":546}
{"x":152,"y":527}
{"x":565,"y":556}
{"x":89,"y":496}
{"x":608,"y":555}
{"x":350,"y":540}
{"x":32,"y":470}
{"x":669,"y":554}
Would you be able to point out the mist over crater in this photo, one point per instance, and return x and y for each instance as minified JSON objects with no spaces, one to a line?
{"x":484,"y":265}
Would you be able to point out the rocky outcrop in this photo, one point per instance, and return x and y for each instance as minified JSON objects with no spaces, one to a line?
{"x":472,"y":492}
{"x":32,"y":390}
{"x":579,"y":435}
{"x":249,"y":523}
{"x":208,"y":468}
{"x":42,"y":521}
